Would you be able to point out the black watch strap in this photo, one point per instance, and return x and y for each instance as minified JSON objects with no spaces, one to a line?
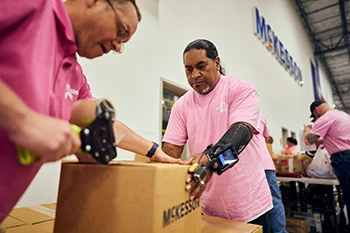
{"x":152,"y":150}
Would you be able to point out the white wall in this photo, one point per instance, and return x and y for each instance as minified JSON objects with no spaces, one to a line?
{"x":131,"y":81}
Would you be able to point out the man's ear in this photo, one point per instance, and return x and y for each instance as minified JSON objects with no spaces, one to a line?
{"x":91,"y":3}
{"x":318,"y":110}
{"x":217,"y":63}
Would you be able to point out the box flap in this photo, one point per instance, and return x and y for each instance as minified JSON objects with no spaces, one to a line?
{"x":11,"y":222}
{"x":50,"y":206}
{"x":219,"y":225}
{"x":34,"y":214}
{"x":46,"y":227}
{"x":24,"y":229}
{"x":127,"y":163}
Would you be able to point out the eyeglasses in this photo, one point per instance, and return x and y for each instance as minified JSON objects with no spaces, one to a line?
{"x":122,"y":34}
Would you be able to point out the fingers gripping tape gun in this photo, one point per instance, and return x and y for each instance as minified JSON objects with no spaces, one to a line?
{"x":198,"y":172}
{"x":97,"y":138}
{"x":220,"y":160}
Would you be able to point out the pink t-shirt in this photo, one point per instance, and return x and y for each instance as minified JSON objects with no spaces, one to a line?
{"x":242,"y":192}
{"x":265,"y":155}
{"x":38,"y":61}
{"x":334,"y":128}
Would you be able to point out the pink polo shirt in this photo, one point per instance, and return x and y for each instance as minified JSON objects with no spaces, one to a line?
{"x":334,"y":128}
{"x":37,"y":60}
{"x":265,"y":155}
{"x":242,"y":192}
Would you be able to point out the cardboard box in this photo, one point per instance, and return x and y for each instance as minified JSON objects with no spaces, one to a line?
{"x":36,"y":219}
{"x":219,"y":225}
{"x":11,"y":222}
{"x":125,"y":197}
{"x":24,"y":229}
{"x":33,"y":215}
{"x":45,"y":227}
{"x":291,"y":163}
{"x":142,"y":158}
{"x":297,"y":225}
{"x":50,"y":206}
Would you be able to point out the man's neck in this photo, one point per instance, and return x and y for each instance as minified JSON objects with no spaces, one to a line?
{"x":326,"y":109}
{"x":216,"y":83}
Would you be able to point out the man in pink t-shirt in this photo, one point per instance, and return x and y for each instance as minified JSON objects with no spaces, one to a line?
{"x":333,"y":127}
{"x":220,"y":110}
{"x":278,"y":218}
{"x":42,"y":84}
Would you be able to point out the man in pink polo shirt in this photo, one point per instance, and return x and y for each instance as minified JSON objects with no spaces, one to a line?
{"x":40,"y":81}
{"x":333,"y":127}
{"x":220,"y":109}
{"x":278,"y":218}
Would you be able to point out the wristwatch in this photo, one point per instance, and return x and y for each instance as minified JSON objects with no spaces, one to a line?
{"x":152,"y":150}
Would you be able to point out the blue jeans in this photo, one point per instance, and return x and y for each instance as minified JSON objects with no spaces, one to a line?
{"x":278,"y":217}
{"x":341,"y":167}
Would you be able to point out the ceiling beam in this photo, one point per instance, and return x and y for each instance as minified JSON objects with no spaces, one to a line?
{"x":333,"y":49}
{"x":344,"y":25}
{"x":325,"y":19}
{"x":328,"y":30}
{"x":321,"y":9}
{"x":322,"y":59}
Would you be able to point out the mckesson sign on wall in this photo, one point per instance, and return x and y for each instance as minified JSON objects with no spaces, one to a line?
{"x":268,"y":37}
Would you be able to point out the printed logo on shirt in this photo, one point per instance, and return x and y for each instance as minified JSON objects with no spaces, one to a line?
{"x":70,"y":92}
{"x":222,"y":107}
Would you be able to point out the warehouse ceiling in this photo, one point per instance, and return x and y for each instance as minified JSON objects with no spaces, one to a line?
{"x":328,"y":24}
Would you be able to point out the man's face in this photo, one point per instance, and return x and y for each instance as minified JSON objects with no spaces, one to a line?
{"x":202,"y":72}
{"x":317,"y":113}
{"x":104,"y":29}
{"x":289,"y":144}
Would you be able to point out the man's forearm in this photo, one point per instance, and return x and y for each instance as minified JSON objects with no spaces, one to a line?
{"x":236,"y":137}
{"x":173,"y":150}
{"x":83,"y":112}
{"x":311,"y":139}
{"x":12,"y":109}
{"x":127,"y":139}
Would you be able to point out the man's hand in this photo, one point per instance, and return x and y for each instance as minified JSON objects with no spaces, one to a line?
{"x":195,"y":187}
{"x":309,"y":138}
{"x":48,"y":138}
{"x":269,"y":140}
{"x":160,"y":156}
{"x":307,"y":128}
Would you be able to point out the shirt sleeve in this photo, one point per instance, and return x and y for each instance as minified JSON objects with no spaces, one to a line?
{"x":322,"y":126}
{"x":85,"y":92}
{"x":265,"y":130}
{"x":14,"y":13}
{"x":244,"y":106}
{"x":176,"y":132}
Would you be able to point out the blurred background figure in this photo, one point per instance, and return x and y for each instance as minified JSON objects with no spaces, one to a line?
{"x":291,"y":146}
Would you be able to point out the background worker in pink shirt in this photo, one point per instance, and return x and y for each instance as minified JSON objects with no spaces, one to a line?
{"x":333,"y":126}
{"x":41,"y":81}
{"x":220,"y":110}
{"x":277,"y":214}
